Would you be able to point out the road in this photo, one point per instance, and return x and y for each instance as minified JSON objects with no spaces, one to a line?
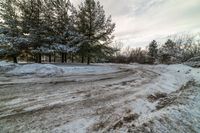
{"x":135,"y":98}
{"x":42,"y":104}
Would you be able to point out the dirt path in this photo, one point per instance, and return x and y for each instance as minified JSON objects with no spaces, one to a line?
{"x":52,"y":104}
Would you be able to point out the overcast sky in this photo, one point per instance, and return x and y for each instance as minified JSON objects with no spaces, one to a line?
{"x":140,"y":21}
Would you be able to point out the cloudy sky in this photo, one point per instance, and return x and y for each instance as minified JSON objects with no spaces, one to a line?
{"x":140,"y":21}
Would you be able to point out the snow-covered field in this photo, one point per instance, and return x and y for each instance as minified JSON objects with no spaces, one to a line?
{"x":99,"y":98}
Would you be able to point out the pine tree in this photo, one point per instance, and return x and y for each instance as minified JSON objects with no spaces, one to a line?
{"x":32,"y":25}
{"x":10,"y":29}
{"x":43,"y":27}
{"x":49,"y":25}
{"x":95,"y":27}
{"x":153,"y":49}
{"x":169,"y":52}
{"x":65,"y":35}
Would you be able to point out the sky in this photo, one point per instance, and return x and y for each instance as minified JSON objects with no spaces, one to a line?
{"x":138,"y":22}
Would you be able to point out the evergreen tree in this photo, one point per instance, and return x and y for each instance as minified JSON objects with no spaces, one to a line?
{"x":95,"y":27}
{"x":153,"y":49}
{"x":43,"y":27}
{"x":49,"y":22}
{"x":65,"y":37}
{"x":170,"y":47}
{"x":33,"y":25}
{"x":169,"y":52}
{"x":10,"y":30}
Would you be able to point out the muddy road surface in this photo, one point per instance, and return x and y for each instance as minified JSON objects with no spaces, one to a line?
{"x":75,"y":103}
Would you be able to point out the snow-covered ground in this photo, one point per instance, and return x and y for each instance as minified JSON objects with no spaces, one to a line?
{"x":111,"y":98}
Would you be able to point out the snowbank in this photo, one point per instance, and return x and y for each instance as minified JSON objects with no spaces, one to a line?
{"x":191,"y":73}
{"x":5,"y":66}
{"x":4,"y":63}
{"x":193,"y":62}
{"x":37,"y":69}
{"x":54,"y":70}
{"x":182,"y":115}
{"x":182,"y":109}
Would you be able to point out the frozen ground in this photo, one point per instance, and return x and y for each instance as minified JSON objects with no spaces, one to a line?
{"x":111,"y":98}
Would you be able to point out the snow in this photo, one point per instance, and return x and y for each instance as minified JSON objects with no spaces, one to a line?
{"x":34,"y":107}
{"x":64,"y":48}
{"x":88,"y":69}
{"x":185,"y":72}
{"x":58,"y":70}
{"x":193,"y":62}
{"x":171,"y":79}
{"x":141,"y":106}
{"x":177,"y":117}
{"x":38,"y":69}
{"x":77,"y":126}
{"x":15,"y":101}
{"x":5,"y":66}
{"x":4,"y":63}
{"x":182,"y":116}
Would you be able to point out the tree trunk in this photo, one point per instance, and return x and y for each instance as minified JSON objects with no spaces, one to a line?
{"x":72,"y":56}
{"x":27,"y":58}
{"x":39,"y":58}
{"x":35,"y":58}
{"x":62,"y":56}
{"x":54,"y":59}
{"x":88,"y":60}
{"x":50,"y":58}
{"x":82,"y":59}
{"x":65,"y":58}
{"x":14,"y":59}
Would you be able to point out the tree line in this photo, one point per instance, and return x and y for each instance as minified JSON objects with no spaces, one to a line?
{"x":33,"y":29}
{"x":176,"y":49}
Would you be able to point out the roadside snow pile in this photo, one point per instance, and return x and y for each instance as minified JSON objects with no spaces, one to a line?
{"x":4,"y":63}
{"x":88,"y":69}
{"x":181,"y":114}
{"x":191,"y":73}
{"x":5,"y":66}
{"x":193,"y":62}
{"x":37,"y":69}
{"x":54,"y":70}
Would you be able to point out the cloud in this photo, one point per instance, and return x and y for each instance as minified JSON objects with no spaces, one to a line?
{"x":143,"y":6}
{"x":140,"y":21}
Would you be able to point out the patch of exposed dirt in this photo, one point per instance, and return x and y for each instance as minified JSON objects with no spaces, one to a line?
{"x":115,"y":122}
{"x":156,"y":96}
{"x":170,"y":99}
